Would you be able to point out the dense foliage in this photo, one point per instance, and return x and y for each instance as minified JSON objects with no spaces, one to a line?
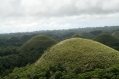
{"x":11,"y":57}
{"x":65,"y":60}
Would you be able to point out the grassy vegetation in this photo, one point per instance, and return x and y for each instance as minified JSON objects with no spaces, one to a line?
{"x":81,"y":52}
{"x":33,"y":49}
{"x":74,"y":58}
{"x":116,"y":34}
{"x":39,"y":41}
{"x":29,"y":53}
{"x":106,"y":38}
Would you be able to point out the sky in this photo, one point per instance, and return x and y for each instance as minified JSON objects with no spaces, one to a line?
{"x":35,"y":15}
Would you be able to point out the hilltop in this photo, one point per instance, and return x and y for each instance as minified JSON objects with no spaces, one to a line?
{"x":74,"y":58}
{"x":116,"y":34}
{"x":80,"y":52}
{"x":106,"y":38}
{"x":37,"y":42}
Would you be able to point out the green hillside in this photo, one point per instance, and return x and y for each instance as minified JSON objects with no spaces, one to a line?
{"x":74,"y":58}
{"x":81,"y":52}
{"x":39,"y":41}
{"x":106,"y":38}
{"x":116,"y":34}
{"x":33,"y":49}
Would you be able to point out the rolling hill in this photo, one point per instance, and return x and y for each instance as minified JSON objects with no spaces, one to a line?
{"x":74,"y":58}
{"x":116,"y":34}
{"x":81,"y":52}
{"x":38,"y":41}
{"x":106,"y":38}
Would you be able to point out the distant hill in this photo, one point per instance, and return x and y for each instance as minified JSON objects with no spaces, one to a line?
{"x":25,"y":38}
{"x":67,"y":35}
{"x":106,"y":38}
{"x":87,"y":35}
{"x":96,"y":32}
{"x":77,"y":36}
{"x":116,"y":34}
{"x":37,"y":42}
{"x":74,"y":58}
{"x":81,"y":52}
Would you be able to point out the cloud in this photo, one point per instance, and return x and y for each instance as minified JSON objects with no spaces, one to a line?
{"x":56,"y":8}
{"x":30,"y":15}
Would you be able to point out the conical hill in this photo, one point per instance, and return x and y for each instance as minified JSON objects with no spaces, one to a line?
{"x":106,"y":39}
{"x":37,"y":42}
{"x":116,"y":34}
{"x":79,"y":52}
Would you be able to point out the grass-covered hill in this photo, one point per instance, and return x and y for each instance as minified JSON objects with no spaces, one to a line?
{"x":108,"y":40}
{"x":74,"y":58}
{"x":79,"y":52}
{"x":116,"y":34}
{"x":33,"y":49}
{"x":29,"y":53}
{"x":37,"y":42}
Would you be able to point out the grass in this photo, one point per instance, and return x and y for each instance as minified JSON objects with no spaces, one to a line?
{"x":39,"y":41}
{"x":79,"y":52}
{"x":74,"y":58}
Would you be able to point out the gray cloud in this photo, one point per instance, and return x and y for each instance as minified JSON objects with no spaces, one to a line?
{"x":43,"y":14}
{"x":56,"y":8}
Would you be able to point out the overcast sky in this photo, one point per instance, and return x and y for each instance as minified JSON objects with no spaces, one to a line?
{"x":34,"y":15}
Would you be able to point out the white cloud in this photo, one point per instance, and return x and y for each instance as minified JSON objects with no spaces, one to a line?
{"x":30,"y":15}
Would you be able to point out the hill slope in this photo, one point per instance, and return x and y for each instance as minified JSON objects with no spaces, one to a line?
{"x":79,"y":52}
{"x":75,"y":58}
{"x":116,"y":34}
{"x":39,"y":41}
{"x":106,"y":39}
